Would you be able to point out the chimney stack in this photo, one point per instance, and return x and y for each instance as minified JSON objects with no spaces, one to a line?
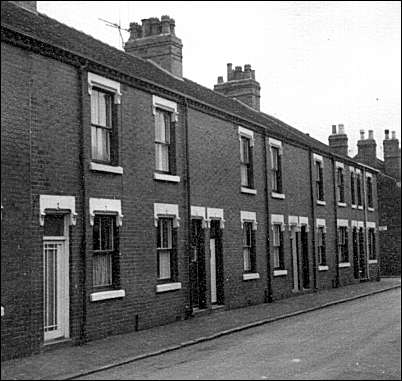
{"x":338,"y":141}
{"x":367,"y":149}
{"x":240,"y":85}
{"x":392,"y":156}
{"x":156,"y":40}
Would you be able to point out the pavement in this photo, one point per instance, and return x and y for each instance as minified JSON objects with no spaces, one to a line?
{"x":77,"y":361}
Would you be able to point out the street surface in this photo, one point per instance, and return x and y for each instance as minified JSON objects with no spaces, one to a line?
{"x":360,"y":339}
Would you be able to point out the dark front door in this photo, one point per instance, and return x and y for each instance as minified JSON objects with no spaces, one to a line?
{"x":356,"y":263}
{"x":197,"y":265}
{"x":304,"y":252}
{"x":216,"y":263}
{"x":362,"y":256}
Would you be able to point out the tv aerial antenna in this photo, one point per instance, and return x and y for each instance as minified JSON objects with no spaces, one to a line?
{"x":118,"y":27}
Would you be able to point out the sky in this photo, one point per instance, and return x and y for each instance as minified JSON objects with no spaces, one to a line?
{"x":319,"y":63}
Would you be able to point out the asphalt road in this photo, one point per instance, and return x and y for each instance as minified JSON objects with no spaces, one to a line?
{"x":354,"y":340}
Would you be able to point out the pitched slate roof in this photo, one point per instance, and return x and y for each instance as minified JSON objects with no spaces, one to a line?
{"x":52,"y":32}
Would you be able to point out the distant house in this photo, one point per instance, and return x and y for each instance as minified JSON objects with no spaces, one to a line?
{"x":133,"y":197}
{"x":389,"y":196}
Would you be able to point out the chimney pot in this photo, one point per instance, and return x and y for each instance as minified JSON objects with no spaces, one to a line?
{"x":220,"y":79}
{"x":361,"y":134}
{"x":371,"y":134}
{"x":341,"y":129}
{"x":393,"y":135}
{"x":386,"y":134}
{"x":334,"y":129}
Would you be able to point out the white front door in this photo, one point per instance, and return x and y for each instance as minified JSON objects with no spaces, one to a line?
{"x":56,"y":287}
{"x":213,"y":270}
{"x":295,"y":267}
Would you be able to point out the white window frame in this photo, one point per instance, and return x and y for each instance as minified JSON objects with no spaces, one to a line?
{"x":166,"y":210}
{"x":165,"y":104}
{"x":277,"y":144}
{"x":105,"y":205}
{"x":248,"y":217}
{"x":95,"y":80}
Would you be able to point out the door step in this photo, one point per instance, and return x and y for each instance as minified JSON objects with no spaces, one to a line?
{"x":197,"y":312}
{"x":56,"y":343}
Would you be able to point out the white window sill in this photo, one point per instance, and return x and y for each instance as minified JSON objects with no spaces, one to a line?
{"x":323,"y":268}
{"x":372,"y":261}
{"x":168,"y":287}
{"x":165,"y":177}
{"x":2,"y":311}
{"x":370,"y":209}
{"x":344,"y":264}
{"x":354,"y":206}
{"x":103,"y":295}
{"x":342,"y":204}
{"x":321,"y":202}
{"x":105,"y":168}
{"x":278,"y":195}
{"x":248,"y":190}
{"x":280,"y":272}
{"x":360,"y":207}
{"x":249,"y":276}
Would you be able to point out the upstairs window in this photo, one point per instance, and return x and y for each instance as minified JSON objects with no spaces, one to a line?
{"x":105,"y":250}
{"x":249,"y":255}
{"x":319,"y":181}
{"x":369,"y":184}
{"x":343,"y":251}
{"x":277,"y":242}
{"x":246,"y":163}
{"x":340,"y":182}
{"x":352,"y":188}
{"x":359,"y":189}
{"x":163,"y":141}
{"x":322,"y":259}
{"x":166,"y":250}
{"x":276,"y":175}
{"x":101,"y":125}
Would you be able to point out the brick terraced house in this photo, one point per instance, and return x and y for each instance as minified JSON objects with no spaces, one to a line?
{"x":132,"y":197}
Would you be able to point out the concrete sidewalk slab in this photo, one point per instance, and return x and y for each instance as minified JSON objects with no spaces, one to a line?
{"x":71,"y":362}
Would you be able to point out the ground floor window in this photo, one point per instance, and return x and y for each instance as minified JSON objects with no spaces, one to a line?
{"x":105,"y":247}
{"x":371,"y":244}
{"x":343,"y":251}
{"x":322,"y":259}
{"x":279,"y":263}
{"x":166,"y":250}
{"x":249,"y":259}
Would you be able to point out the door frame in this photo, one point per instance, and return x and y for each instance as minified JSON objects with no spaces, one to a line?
{"x":198,"y":268}
{"x":294,"y":247}
{"x":219,"y":266}
{"x":63,"y":283}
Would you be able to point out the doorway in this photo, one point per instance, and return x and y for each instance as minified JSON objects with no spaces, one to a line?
{"x":294,"y":245}
{"x":216,"y":263}
{"x":56,"y":300}
{"x":362,"y":255}
{"x":356,"y":262}
{"x":197,"y":265}
{"x":304,"y":254}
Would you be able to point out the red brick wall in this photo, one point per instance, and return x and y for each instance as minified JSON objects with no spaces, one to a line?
{"x":43,"y":96}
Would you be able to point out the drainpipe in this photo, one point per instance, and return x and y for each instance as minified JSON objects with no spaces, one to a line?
{"x":268,"y":222}
{"x":189,"y":305}
{"x":336,"y":222}
{"x":83,"y":93}
{"x":311,"y":163}
{"x":365,"y":223}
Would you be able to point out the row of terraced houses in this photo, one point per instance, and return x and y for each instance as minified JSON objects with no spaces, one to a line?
{"x":132,"y":197}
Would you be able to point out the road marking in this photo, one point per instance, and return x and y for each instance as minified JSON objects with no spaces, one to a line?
{"x":296,"y":360}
